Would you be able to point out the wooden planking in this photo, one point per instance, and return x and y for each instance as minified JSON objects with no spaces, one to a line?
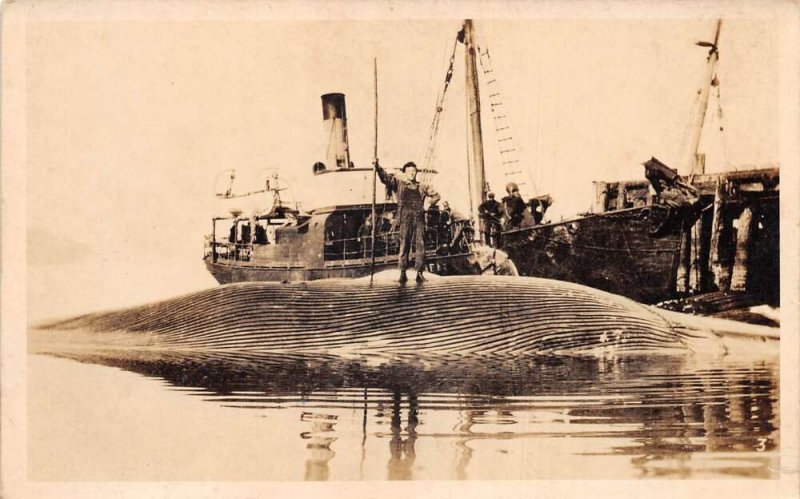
{"x":614,"y":251}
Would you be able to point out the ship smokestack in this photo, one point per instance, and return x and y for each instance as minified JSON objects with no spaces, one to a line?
{"x":337,"y":155}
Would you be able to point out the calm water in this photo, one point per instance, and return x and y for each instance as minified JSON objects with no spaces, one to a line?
{"x":150,"y":415}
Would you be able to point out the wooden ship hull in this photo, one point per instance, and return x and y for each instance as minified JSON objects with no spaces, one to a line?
{"x":615,"y":251}
{"x":728,"y":243}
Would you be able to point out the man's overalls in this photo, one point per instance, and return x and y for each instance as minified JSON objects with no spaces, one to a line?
{"x":411,"y":223}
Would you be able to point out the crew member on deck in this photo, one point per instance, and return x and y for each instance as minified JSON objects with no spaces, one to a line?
{"x":446,"y":210}
{"x":410,"y":195}
{"x":539,"y":206}
{"x":246,"y":234}
{"x":514,"y":207}
{"x":490,"y":212}
{"x":445,"y":225}
{"x":261,"y":234}
{"x":365,"y":237}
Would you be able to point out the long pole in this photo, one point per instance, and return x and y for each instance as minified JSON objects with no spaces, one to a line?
{"x":374,"y":176}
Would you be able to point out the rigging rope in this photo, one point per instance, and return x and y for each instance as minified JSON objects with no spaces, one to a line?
{"x":508,"y":147}
{"x":430,"y":153}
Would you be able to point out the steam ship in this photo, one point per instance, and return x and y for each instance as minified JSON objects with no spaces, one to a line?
{"x":334,"y":240}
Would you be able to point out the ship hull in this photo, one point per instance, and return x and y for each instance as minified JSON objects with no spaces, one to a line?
{"x":226,"y":272}
{"x":633,"y":252}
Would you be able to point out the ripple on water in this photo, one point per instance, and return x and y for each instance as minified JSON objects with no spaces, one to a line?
{"x":654,"y":416}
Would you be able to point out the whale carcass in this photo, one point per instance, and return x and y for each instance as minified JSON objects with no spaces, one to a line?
{"x":461,"y":315}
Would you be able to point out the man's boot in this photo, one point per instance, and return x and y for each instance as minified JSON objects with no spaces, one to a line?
{"x":420,"y":278}
{"x":403,"y":277}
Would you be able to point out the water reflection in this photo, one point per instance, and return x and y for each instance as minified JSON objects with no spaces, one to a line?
{"x":401,"y":446}
{"x":320,"y":439}
{"x":507,"y":418}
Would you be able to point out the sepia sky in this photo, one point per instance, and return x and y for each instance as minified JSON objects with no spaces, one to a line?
{"x":130,"y":122}
{"x":118,"y":117}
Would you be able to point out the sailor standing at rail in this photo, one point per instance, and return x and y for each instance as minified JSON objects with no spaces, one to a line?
{"x":514,"y":207}
{"x":491,"y":212}
{"x":410,"y":195}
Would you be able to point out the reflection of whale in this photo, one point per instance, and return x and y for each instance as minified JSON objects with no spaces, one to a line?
{"x":453,"y":314}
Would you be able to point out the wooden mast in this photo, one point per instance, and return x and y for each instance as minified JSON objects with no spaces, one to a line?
{"x":478,"y":193}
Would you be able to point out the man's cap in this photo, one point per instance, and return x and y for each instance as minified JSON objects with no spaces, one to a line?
{"x":409,"y":164}
{"x":511,"y":186}
{"x":490,"y":195}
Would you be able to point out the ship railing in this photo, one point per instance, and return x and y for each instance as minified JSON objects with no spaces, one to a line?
{"x":219,"y":250}
{"x":455,"y":239}
{"x":344,"y":250}
{"x":361,"y":247}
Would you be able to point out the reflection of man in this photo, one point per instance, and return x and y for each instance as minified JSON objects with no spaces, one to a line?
{"x":490,"y":212}
{"x":410,"y":194}
{"x":401,"y":452}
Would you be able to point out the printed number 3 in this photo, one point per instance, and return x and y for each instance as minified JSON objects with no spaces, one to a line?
{"x":762,"y":445}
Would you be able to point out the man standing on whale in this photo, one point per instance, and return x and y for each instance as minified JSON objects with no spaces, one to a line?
{"x":410,"y":194}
